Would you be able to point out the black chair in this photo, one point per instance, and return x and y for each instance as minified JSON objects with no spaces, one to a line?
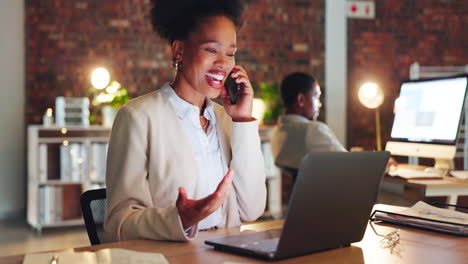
{"x":291,"y":172}
{"x":93,"y":206}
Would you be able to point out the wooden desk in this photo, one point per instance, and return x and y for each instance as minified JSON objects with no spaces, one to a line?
{"x":417,"y":189}
{"x":415,"y":246}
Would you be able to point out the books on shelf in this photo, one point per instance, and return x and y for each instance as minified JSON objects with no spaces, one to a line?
{"x":80,"y":167}
{"x":43,"y":157}
{"x":47,"y":162}
{"x":73,"y":162}
{"x":77,"y":162}
{"x":47,"y":213}
{"x":58,"y":203}
{"x":98,"y":162}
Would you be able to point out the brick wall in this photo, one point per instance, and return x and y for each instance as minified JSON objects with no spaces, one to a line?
{"x":432,"y":32}
{"x":67,"y":39}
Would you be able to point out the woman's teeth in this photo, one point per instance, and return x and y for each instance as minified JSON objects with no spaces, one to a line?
{"x":218,"y":77}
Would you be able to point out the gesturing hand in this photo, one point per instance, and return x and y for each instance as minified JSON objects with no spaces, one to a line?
{"x":193,"y":211}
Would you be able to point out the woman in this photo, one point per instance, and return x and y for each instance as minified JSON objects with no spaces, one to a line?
{"x":169,"y":149}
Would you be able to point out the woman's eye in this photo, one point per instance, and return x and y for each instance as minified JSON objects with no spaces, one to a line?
{"x":211,"y":50}
{"x":231,"y":54}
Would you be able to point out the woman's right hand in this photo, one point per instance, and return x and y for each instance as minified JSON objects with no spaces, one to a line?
{"x":242,"y":110}
{"x":193,"y":211}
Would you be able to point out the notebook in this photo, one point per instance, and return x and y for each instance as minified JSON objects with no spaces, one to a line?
{"x":103,"y":256}
{"x":329,"y":207}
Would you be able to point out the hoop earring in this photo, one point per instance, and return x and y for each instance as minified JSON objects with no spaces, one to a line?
{"x":177,"y":65}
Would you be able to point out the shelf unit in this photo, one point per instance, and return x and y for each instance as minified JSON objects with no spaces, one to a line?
{"x":57,"y":176}
{"x":55,"y":138}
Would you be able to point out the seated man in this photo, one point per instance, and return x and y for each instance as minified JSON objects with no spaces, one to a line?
{"x":298,"y":132}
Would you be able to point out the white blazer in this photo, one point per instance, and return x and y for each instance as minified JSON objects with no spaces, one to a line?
{"x":149,"y":158}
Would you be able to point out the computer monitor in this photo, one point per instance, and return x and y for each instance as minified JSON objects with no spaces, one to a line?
{"x":427,"y":117}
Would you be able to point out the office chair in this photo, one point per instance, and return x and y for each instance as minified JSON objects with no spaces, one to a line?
{"x":291,"y":172}
{"x":93,"y":206}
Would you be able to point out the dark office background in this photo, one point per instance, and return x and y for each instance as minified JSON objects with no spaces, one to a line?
{"x":66,"y":39}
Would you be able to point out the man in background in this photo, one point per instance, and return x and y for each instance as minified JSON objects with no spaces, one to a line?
{"x":298,"y":132}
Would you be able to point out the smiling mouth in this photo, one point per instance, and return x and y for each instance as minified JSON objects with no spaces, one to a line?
{"x":217,"y":77}
{"x":214,"y":80}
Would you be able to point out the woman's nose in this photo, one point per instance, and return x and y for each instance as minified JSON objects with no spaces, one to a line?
{"x":222,"y":62}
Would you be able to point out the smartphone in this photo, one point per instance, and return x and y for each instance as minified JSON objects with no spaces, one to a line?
{"x":232,"y":87}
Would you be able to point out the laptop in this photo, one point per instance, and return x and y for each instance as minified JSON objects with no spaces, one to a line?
{"x":329,"y":207}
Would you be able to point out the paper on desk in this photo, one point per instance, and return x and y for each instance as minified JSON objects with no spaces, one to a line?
{"x":423,"y":210}
{"x":103,"y":256}
{"x":415,"y":173}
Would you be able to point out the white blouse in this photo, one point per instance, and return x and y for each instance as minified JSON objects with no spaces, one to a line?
{"x":205,"y":148}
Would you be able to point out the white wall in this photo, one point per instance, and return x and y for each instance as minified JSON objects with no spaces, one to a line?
{"x":12,"y":110}
{"x":335,"y":67}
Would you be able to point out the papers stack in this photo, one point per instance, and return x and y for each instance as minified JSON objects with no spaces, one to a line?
{"x":422,"y":215}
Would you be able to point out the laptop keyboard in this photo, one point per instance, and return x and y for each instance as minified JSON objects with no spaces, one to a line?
{"x":267,"y":245}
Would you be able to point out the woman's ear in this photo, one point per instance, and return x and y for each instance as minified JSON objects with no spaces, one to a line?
{"x":177,"y":48}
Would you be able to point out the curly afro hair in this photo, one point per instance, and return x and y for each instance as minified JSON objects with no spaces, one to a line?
{"x":176,"y":19}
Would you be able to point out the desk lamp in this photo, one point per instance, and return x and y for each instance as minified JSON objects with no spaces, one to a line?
{"x":371,"y":96}
{"x":100,"y":78}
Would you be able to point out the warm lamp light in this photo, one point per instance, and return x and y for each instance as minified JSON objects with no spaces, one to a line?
{"x":113,"y":87}
{"x":371,"y":96}
{"x":100,"y":78}
{"x":104,"y":98}
{"x":49,"y":112}
{"x":258,"y":109}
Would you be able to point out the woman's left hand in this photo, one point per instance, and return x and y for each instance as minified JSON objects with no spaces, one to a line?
{"x":242,"y":110}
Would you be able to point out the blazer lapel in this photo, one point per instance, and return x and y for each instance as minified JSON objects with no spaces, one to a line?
{"x":222,"y":138}
{"x":174,"y":127}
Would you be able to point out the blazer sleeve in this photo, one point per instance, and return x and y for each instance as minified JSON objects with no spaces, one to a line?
{"x":249,"y":170}
{"x":131,"y":213}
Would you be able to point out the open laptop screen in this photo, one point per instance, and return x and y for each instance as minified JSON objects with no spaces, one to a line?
{"x":429,"y":111}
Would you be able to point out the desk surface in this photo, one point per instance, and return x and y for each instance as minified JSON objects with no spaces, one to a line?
{"x":415,"y":246}
{"x":429,"y":183}
{"x":436,"y":183}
